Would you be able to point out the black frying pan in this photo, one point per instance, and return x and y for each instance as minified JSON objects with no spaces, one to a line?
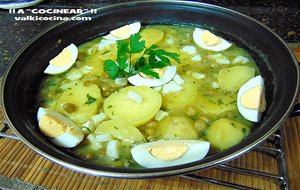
{"x":276,"y":62}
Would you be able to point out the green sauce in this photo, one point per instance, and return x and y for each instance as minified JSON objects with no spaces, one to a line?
{"x":202,"y":104}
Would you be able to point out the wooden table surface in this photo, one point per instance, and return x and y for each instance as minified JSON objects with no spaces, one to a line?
{"x":21,"y":168}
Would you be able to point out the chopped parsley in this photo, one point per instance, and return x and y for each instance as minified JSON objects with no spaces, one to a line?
{"x":203,"y":133}
{"x":59,"y":91}
{"x":51,"y":82}
{"x":151,"y":58}
{"x":244,"y":130}
{"x":105,"y":52}
{"x":90,"y":99}
{"x":220,"y":102}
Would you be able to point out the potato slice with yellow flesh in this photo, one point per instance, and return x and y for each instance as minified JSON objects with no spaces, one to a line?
{"x":97,"y":64}
{"x":151,"y":36}
{"x":216,"y":103}
{"x":225,"y":133}
{"x":120,"y":130}
{"x":233,"y":78}
{"x":183,"y":97}
{"x":176,"y":127}
{"x":108,"y":52}
{"x":134,"y":105}
{"x":79,"y":102}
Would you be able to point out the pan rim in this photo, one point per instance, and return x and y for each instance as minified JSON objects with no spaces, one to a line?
{"x":181,"y":170}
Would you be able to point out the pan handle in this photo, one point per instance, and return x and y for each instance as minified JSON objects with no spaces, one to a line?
{"x":5,"y":124}
{"x":296,"y":111}
{"x":3,"y":134}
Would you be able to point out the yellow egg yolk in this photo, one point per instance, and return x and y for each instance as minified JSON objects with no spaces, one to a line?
{"x":62,"y":59}
{"x":210,"y":39}
{"x":168,"y":150}
{"x":52,"y":126}
{"x":121,"y":32}
{"x":254,"y":99}
{"x":160,"y":73}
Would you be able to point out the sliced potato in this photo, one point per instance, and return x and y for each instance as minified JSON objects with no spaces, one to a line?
{"x":79,"y":102}
{"x":151,"y":36}
{"x":225,"y":133}
{"x":183,"y":97}
{"x":120,"y":130}
{"x":216,"y":103}
{"x":233,"y":78}
{"x":97,"y":64}
{"x":119,"y":105}
{"x":176,"y":127}
{"x":108,"y":53}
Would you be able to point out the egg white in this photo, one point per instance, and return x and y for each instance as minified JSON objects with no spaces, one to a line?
{"x":68,"y":139}
{"x":52,"y":69}
{"x":197,"y":150}
{"x":134,"y":28}
{"x":198,"y":32}
{"x":250,"y":114}
{"x":168,"y":75}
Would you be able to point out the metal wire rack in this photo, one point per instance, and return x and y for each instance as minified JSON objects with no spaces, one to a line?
{"x":276,"y":150}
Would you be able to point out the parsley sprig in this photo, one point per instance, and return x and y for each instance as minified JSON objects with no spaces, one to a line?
{"x":151,"y":58}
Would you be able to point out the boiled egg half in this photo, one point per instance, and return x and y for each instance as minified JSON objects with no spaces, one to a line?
{"x":63,"y":61}
{"x":169,"y":153}
{"x":61,"y":131}
{"x":251,"y":99}
{"x":124,"y":32}
{"x":207,"y":40}
{"x":166,"y":74}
